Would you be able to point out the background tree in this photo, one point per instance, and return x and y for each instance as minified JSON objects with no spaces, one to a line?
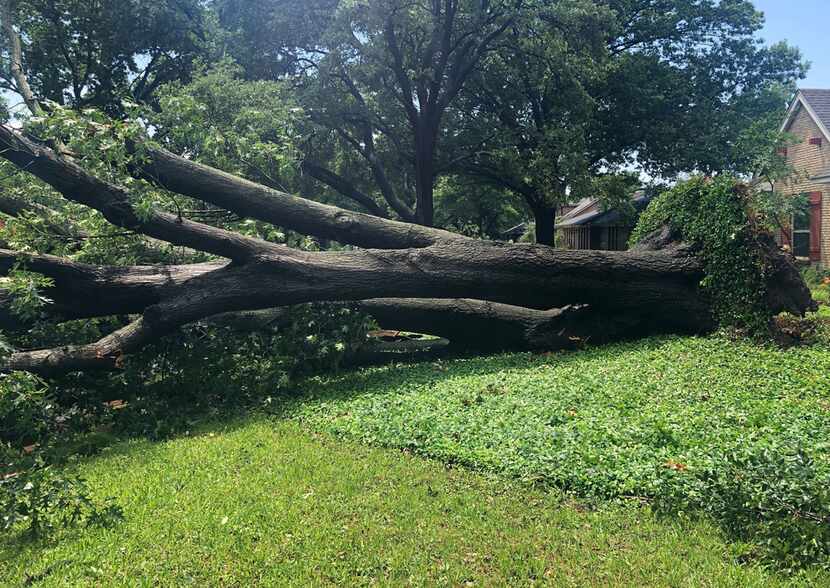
{"x":581,"y":91}
{"x":95,"y":53}
{"x":385,"y":73}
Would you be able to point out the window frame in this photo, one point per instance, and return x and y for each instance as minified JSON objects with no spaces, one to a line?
{"x":807,"y":215}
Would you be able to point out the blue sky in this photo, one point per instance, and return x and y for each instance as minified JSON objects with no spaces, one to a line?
{"x":803,"y":23}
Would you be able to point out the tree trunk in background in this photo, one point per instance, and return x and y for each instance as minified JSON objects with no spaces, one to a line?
{"x":545,"y":219}
{"x":424,"y":176}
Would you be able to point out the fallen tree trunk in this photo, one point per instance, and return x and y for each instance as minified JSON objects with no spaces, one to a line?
{"x":596,"y":295}
{"x":467,"y":324}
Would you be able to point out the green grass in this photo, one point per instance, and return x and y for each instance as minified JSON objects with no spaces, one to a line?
{"x":332,"y":488}
{"x":602,"y":422}
{"x":267,"y":503}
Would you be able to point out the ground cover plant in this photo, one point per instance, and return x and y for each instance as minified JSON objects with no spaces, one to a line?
{"x":730,"y":430}
{"x":265,"y":502}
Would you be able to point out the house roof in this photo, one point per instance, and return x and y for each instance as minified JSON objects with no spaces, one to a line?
{"x":817,"y":103}
{"x":591,"y":212}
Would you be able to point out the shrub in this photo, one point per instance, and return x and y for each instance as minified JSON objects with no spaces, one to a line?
{"x":41,"y":500}
{"x":26,"y":408}
{"x":714,"y":215}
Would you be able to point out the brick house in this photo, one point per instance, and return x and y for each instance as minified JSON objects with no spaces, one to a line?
{"x":808,"y":119}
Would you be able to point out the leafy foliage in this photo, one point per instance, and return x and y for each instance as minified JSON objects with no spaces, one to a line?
{"x":716,"y":216}
{"x":42,"y":500}
{"x":214,"y":369}
{"x":25,"y":408}
{"x":95,"y":54}
{"x":249,"y":128}
{"x":26,"y":292}
{"x":37,"y":497}
{"x":732,"y":431}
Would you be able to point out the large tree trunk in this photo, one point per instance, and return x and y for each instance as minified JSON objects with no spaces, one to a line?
{"x":545,"y":220}
{"x":577,"y":295}
{"x":424,"y":175}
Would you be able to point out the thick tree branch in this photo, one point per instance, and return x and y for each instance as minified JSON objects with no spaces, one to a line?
{"x":113,"y":202}
{"x":343,"y":187}
{"x":251,"y":200}
{"x":648,"y":291}
{"x":84,"y":291}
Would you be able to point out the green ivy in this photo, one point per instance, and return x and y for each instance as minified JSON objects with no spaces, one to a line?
{"x":713,"y":215}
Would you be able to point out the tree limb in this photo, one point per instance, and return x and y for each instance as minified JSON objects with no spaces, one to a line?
{"x":76,"y":184}
{"x":343,"y":187}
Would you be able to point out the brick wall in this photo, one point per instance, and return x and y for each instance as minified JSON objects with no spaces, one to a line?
{"x":810,"y":160}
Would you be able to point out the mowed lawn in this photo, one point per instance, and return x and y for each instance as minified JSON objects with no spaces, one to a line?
{"x":451,"y":473}
{"x":265,"y":503}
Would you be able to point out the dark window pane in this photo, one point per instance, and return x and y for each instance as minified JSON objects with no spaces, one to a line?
{"x":801,"y":244}
{"x":801,"y":220}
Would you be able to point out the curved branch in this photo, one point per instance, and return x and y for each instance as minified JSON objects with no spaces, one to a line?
{"x":251,"y":200}
{"x":113,"y":202}
{"x":343,"y":186}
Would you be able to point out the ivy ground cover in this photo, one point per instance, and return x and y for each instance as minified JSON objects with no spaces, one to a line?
{"x":731,"y":430}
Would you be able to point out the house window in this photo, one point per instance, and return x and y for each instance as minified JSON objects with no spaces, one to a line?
{"x":801,"y":232}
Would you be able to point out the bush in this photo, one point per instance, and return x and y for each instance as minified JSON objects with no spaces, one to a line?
{"x":26,"y":408}
{"x":40,"y":500}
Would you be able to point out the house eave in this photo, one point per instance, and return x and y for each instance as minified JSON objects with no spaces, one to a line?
{"x":800,"y":101}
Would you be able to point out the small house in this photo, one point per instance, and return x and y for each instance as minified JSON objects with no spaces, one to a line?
{"x":587,"y":225}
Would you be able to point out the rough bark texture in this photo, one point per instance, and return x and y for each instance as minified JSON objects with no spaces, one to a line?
{"x":525,"y":296}
{"x":545,"y":222}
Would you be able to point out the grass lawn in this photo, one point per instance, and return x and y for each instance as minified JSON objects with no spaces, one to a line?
{"x":332,"y":488}
{"x":265,"y":502}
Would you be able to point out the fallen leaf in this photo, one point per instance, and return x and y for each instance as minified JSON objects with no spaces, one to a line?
{"x":675,"y":465}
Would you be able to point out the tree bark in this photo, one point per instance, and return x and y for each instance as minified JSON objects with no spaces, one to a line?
{"x":424,"y":172}
{"x":490,"y":326}
{"x":16,"y":59}
{"x":597,"y":295}
{"x":343,"y":186}
{"x":545,"y":220}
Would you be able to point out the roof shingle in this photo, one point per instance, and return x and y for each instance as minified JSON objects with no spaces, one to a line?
{"x":819,"y":101}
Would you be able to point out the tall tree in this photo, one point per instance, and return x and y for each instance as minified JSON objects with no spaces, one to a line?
{"x":581,"y":90}
{"x":386,"y":71}
{"x":95,"y":53}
